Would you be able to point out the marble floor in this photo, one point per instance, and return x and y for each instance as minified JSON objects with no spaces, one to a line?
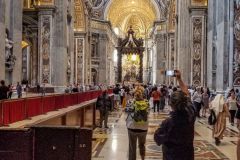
{"x":112,"y":143}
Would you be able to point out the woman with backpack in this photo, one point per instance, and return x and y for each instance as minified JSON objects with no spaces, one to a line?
{"x":137,"y":124}
{"x":221,"y":111}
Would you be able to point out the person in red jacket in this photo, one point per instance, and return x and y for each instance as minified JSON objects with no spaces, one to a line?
{"x":156,"y":99}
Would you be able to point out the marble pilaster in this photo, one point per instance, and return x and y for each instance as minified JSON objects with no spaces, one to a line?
{"x":45,"y":35}
{"x":161,"y":57}
{"x":231,"y":44}
{"x":103,"y":73}
{"x":16,"y":34}
{"x":2,"y":39}
{"x":79,"y":60}
{"x":198,"y":45}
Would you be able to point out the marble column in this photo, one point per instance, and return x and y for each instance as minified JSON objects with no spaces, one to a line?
{"x":183,"y":40}
{"x":103,"y":75}
{"x":222,"y":44}
{"x":59,"y":55}
{"x":210,"y":44}
{"x":16,"y":34}
{"x":2,"y":39}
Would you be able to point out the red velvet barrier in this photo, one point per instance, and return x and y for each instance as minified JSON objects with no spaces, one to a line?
{"x":80,"y":97}
{"x":34,"y":106}
{"x":67,"y":100}
{"x":59,"y":101}
{"x":13,"y":111}
{"x":1,"y":114}
{"x":75,"y":99}
{"x":48,"y":103}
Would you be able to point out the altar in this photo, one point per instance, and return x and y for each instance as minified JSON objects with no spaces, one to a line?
{"x":130,"y":58}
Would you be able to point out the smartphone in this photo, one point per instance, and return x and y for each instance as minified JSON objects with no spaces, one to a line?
{"x":170,"y":73}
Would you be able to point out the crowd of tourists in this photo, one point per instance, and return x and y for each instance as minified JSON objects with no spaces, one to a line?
{"x":184,"y":105}
{"x":6,"y":92}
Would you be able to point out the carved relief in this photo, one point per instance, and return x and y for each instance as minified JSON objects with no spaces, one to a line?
{"x":45,"y":48}
{"x":197,"y":50}
{"x":172,"y":53}
{"x":236,"y":63}
{"x":79,"y":23}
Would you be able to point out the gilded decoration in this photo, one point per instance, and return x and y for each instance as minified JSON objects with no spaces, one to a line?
{"x":130,"y":58}
{"x":197,"y":50}
{"x":137,"y":13}
{"x":45,"y":48}
{"x":199,"y":2}
{"x":236,"y":45}
{"x":79,"y":23}
{"x":172,"y":16}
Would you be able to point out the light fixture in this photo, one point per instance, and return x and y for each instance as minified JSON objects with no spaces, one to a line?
{"x":134,"y":57}
{"x":115,"y":56}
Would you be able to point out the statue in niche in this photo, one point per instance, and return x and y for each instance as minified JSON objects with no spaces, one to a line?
{"x":237,"y":27}
{"x":9,"y":57}
{"x":236,"y":61}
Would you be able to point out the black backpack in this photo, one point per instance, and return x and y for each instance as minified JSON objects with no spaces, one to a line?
{"x":212,"y":119}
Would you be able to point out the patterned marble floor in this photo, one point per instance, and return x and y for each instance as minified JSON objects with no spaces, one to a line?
{"x":112,"y":143}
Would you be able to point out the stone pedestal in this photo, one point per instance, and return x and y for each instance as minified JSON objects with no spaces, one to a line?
{"x":2,"y":39}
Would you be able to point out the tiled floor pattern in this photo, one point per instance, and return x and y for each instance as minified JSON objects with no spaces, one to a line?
{"x":112,"y":144}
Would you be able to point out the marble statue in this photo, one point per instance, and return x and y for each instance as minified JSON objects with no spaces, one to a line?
{"x":9,"y":57}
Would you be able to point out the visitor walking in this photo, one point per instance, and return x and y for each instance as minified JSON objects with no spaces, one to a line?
{"x":43,"y":90}
{"x":221,"y":111}
{"x":3,"y":90}
{"x":116,"y":92}
{"x":197,"y":101}
{"x":137,"y":124}
{"x":38,"y":88}
{"x":104,"y":105}
{"x":205,"y":100}
{"x":10,"y":91}
{"x":156,"y":99}
{"x":176,"y":133}
{"x":232,"y":106}
{"x":19,"y":90}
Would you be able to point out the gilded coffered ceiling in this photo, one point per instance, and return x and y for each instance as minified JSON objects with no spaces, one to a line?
{"x":139,"y":13}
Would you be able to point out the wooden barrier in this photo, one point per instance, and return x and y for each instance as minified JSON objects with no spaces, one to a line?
{"x":16,"y":110}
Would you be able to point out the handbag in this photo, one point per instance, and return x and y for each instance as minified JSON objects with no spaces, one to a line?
{"x":212,"y":119}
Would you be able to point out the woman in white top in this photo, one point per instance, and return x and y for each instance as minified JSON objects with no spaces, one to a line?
{"x":232,"y":106}
{"x":197,"y":101}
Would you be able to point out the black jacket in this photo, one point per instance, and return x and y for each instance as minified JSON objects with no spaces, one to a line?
{"x":104,"y":103}
{"x":176,"y":135}
{"x":3,"y":92}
